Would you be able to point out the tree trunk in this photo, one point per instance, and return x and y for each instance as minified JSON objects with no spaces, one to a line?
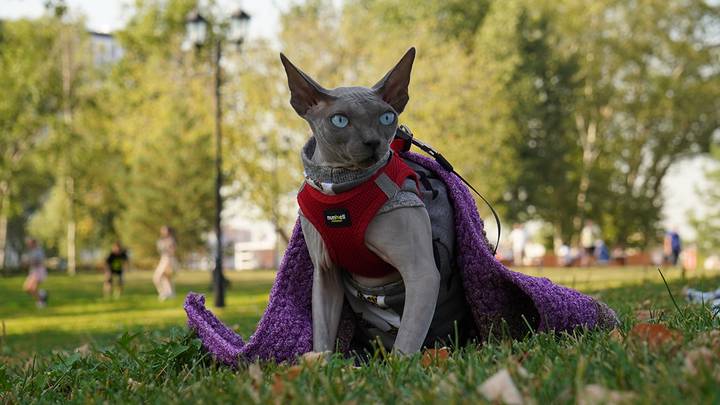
{"x":588,"y":141}
{"x":71,"y":227}
{"x":557,"y":236}
{"x":3,"y":238}
{"x":67,"y":79}
{"x":4,"y":202}
{"x":281,"y":232}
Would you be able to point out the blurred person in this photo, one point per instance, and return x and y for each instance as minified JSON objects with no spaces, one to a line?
{"x":115,"y":263}
{"x":564,"y":255}
{"x":689,"y":258}
{"x":567,"y":256}
{"x":618,"y":255}
{"x":589,"y":235}
{"x":672,"y":246}
{"x":162,"y":278}
{"x":37,"y":273}
{"x":518,"y":239}
{"x":602,"y":252}
{"x":657,"y":257}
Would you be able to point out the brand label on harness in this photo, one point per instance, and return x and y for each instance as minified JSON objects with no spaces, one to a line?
{"x":337,"y":218}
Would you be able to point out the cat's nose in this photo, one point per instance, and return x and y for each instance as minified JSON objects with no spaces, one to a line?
{"x":372,"y":144}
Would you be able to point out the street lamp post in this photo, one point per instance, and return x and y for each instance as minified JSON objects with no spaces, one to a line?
{"x":199,"y":30}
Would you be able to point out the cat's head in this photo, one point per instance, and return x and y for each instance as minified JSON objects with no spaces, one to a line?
{"x":353,"y":126}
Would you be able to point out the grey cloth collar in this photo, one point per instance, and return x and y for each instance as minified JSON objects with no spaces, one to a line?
{"x":334,"y":180}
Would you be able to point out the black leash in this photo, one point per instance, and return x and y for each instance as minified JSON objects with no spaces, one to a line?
{"x":406,"y":136}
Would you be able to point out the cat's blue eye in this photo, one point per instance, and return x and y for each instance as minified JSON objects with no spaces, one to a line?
{"x":339,"y":120}
{"x":387,"y":118}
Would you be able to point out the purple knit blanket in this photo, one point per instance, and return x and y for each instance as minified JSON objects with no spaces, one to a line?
{"x":501,"y":300}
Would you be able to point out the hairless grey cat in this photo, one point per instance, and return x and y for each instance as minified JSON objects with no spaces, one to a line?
{"x":352,"y":128}
{"x":390,"y":249}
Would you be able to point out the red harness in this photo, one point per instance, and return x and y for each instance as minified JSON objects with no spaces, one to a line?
{"x":342,"y":219}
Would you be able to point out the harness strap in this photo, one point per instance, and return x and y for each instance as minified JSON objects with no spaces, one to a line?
{"x":389,"y":187}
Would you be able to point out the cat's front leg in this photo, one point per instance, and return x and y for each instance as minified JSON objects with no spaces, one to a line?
{"x":327,"y":291}
{"x":403,"y":238}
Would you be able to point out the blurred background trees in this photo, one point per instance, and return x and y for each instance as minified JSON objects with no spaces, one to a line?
{"x":555,"y":110}
{"x":163,"y":126}
{"x":31,"y":98}
{"x":708,"y":226}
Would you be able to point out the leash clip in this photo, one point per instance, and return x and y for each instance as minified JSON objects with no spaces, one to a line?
{"x":402,"y":141}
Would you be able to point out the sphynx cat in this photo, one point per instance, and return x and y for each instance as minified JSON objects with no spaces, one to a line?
{"x":352,"y":128}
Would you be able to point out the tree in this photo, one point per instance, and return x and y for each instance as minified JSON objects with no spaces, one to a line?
{"x":557,"y":111}
{"x":162,"y":124}
{"x":262,"y":159}
{"x":650,"y":97}
{"x":539,"y":87}
{"x":31,"y":96}
{"x":596,"y":102}
{"x":80,"y":159}
{"x":708,"y":227}
{"x":266,"y":134}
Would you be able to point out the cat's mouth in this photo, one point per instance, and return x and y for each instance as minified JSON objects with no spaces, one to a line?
{"x":368,"y":162}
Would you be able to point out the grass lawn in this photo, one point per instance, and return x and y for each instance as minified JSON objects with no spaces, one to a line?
{"x":78,"y":313}
{"x":138,"y":350}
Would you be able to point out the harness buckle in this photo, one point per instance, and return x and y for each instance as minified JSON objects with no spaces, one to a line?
{"x":402,"y":140}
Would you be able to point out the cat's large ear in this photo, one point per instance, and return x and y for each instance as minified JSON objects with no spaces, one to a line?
{"x":393,"y":88}
{"x":304,"y":91}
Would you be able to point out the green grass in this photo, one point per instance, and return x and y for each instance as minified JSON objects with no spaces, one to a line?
{"x":78,"y":313}
{"x":157,"y":361}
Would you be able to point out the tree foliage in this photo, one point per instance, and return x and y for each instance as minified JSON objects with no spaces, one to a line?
{"x":708,"y":226}
{"x":162,"y":125}
{"x":557,"y":111}
{"x":30,"y":98}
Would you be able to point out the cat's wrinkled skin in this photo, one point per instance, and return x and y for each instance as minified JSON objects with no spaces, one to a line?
{"x":401,"y":237}
{"x":364,"y":140}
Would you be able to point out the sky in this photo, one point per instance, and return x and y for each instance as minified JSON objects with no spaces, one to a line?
{"x":110,"y":15}
{"x":682,"y":187}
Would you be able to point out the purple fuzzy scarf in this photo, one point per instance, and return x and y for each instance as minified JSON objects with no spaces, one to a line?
{"x":500,"y":298}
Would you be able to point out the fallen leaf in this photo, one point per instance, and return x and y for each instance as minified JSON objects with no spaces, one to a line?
{"x":83,"y":350}
{"x":500,"y":387}
{"x":436,"y":357}
{"x":134,"y":385}
{"x":655,"y":335}
{"x":595,"y":394}
{"x":256,"y":374}
{"x":643,"y":315}
{"x":280,"y":378}
{"x":616,"y":336}
{"x":698,"y":359}
{"x":522,"y":372}
{"x":313,"y":358}
{"x":293,"y":372}
{"x":278,"y":386}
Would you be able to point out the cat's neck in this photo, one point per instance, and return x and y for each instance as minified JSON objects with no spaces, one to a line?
{"x":331,"y":178}
{"x":326,"y":159}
